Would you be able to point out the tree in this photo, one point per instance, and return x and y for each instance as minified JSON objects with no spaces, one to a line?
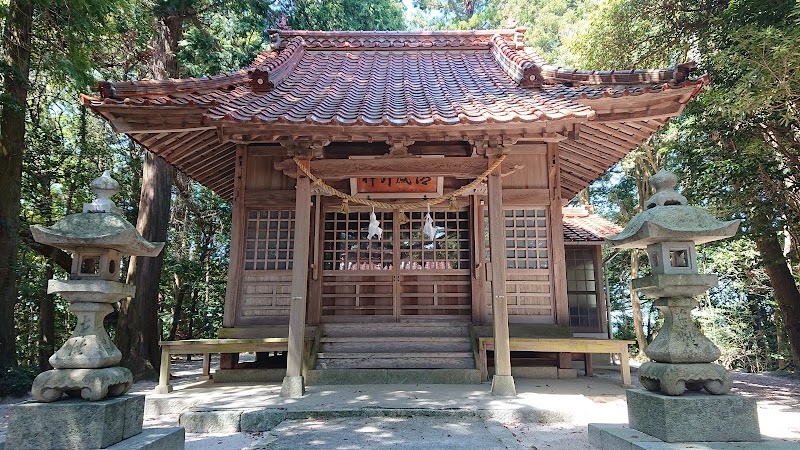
{"x":17,"y":44}
{"x":738,"y":144}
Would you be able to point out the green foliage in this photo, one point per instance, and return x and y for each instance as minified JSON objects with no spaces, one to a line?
{"x":16,"y":381}
{"x":345,"y":14}
{"x":548,"y":22}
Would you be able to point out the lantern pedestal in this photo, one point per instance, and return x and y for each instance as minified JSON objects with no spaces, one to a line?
{"x":694,"y":417}
{"x":90,"y":384}
{"x":675,"y":379}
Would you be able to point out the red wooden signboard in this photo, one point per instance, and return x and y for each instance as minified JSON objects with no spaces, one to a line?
{"x":382,"y":185}
{"x":397,"y":187}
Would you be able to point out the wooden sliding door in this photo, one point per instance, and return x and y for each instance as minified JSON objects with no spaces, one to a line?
{"x":399,"y":276}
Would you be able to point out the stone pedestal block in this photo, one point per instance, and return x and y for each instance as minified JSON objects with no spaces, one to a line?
{"x":293,"y":387}
{"x":694,"y":417}
{"x":503,"y":386}
{"x":74,"y":424}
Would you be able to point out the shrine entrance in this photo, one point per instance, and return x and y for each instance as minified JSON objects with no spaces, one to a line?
{"x":400,"y":275}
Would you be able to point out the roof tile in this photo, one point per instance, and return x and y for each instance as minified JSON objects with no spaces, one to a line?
{"x":582,"y":225}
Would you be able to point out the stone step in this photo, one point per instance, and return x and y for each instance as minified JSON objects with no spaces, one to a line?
{"x":343,"y":376}
{"x":388,"y":362}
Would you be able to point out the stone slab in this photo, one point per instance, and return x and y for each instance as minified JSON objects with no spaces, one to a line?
{"x":392,"y":376}
{"x":74,"y":424}
{"x":604,"y":436}
{"x":249,"y":375}
{"x":541,"y":373}
{"x":211,"y":421}
{"x":694,"y":417}
{"x":407,"y":433}
{"x":260,"y":420}
{"x":172,"y":438}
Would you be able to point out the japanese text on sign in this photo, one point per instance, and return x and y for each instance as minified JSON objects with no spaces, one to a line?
{"x":396,"y":184}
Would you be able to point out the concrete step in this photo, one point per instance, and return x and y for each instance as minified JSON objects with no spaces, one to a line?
{"x":384,"y":362}
{"x":342,"y":376}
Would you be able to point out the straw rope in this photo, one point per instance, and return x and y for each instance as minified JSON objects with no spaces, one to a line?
{"x":401,"y":206}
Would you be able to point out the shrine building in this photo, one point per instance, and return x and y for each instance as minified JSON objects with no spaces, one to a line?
{"x":465,"y":145}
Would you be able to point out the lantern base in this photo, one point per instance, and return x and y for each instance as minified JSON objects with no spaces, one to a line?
{"x":91,"y":384}
{"x":675,"y":379}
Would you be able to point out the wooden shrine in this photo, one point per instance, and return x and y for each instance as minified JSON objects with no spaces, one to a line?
{"x":467,"y":126}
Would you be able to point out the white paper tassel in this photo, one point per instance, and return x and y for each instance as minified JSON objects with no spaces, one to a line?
{"x":374,"y":226}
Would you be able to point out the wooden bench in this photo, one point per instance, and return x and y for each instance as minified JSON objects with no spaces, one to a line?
{"x":587,"y":346}
{"x":208,"y":346}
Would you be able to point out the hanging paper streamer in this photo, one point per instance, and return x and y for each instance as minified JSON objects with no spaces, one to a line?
{"x":428,"y":228}
{"x":374,"y":226}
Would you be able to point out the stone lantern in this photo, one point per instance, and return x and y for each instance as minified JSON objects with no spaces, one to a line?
{"x":86,"y":364}
{"x":670,"y":229}
{"x":682,"y":357}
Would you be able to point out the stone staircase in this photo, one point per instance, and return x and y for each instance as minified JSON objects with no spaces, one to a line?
{"x":413,"y":352}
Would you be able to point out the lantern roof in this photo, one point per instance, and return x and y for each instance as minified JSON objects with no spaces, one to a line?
{"x":100,"y":226}
{"x":669,"y":219}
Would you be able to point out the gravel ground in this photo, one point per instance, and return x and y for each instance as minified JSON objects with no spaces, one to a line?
{"x":779,"y":416}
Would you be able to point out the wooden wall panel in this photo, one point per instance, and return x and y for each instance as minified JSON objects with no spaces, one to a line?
{"x":529,"y":296}
{"x":261,"y":173}
{"x":533,"y":174}
{"x":265,"y":298}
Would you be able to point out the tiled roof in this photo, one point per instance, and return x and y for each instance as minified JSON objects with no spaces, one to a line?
{"x":393,"y":78}
{"x":443,"y":85}
{"x":581,"y":225}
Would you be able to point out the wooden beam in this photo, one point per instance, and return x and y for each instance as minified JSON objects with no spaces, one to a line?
{"x":525,"y":197}
{"x":342,"y":169}
{"x":238,"y":237}
{"x":266,"y":197}
{"x":557,"y":254}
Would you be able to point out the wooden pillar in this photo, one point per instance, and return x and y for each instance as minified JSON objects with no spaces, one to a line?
{"x":293,"y":384}
{"x":315,"y":288}
{"x":238,"y":237}
{"x":502,"y":382}
{"x":478,"y":269}
{"x":557,"y":254}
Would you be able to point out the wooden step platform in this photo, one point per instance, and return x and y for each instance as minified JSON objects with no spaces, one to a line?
{"x":418,"y":352}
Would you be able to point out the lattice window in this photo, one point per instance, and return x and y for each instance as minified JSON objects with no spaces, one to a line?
{"x":526,"y":238}
{"x":270,"y":240}
{"x":450,"y":249}
{"x":582,"y":288}
{"x":347,"y":246}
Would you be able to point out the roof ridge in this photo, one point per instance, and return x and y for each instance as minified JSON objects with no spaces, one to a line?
{"x":528,"y":69}
{"x":376,"y":40}
{"x":266,"y":62}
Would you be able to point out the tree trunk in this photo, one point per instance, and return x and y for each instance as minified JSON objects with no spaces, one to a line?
{"x":138,"y":326}
{"x":47,"y":322}
{"x":785,"y":289}
{"x":17,"y":46}
{"x":641,"y":339}
{"x":138,"y":330}
{"x":178,"y":293}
